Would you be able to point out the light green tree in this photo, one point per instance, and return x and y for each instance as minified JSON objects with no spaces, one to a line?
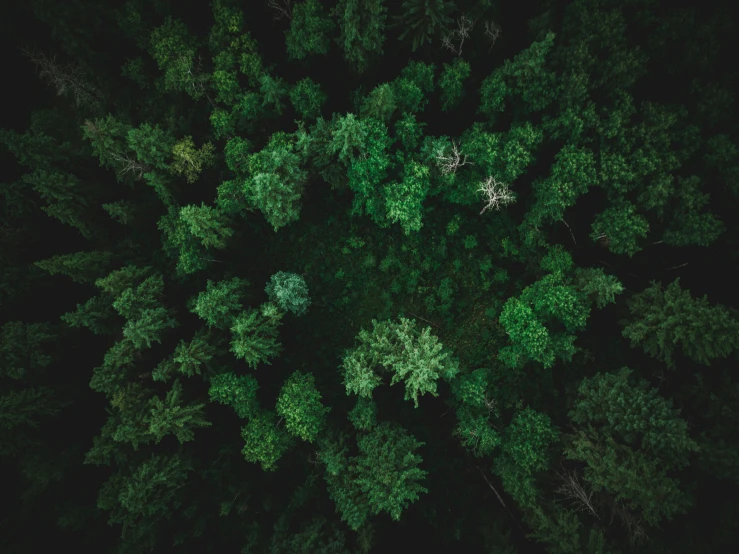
{"x":299,"y":402}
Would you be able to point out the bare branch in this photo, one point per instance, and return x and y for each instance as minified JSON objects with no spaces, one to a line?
{"x":572,"y":489}
{"x":464,"y":27}
{"x":283,"y":8}
{"x":492,"y":30}
{"x":65,"y":79}
{"x":496,"y":194}
{"x":449,"y":163}
{"x":129,"y":164}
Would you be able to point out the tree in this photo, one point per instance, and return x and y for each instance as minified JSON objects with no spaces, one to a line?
{"x":254,"y":336}
{"x":237,"y":391}
{"x":23,"y":348}
{"x":273,"y":90}
{"x":207,"y":224}
{"x":622,"y":226}
{"x":299,"y":403}
{"x":630,"y":437}
{"x":81,"y":267}
{"x":379,"y":103}
{"x":289,"y":292}
{"x":387,"y":469}
{"x":415,"y":356}
{"x":525,"y":451}
{"x":664,"y":319}
{"x":190,"y":162}
{"x":309,"y":30}
{"x":307,"y":98}
{"x":171,"y":416}
{"x":265,"y":443}
{"x":405,"y":199}
{"x":175,"y":51}
{"x":361,"y":25}
{"x":423,"y":20}
{"x":219,"y":303}
{"x":148,"y":327}
{"x":599,"y":287}
{"x":451,"y":83}
{"x":96,"y":314}
{"x":277,"y":180}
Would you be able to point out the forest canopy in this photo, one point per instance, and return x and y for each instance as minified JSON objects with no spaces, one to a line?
{"x":343,"y":276}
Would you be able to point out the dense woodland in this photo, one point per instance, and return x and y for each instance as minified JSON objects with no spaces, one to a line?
{"x":369,"y":276}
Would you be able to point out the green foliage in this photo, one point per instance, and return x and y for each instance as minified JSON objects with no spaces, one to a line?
{"x":95,"y":314}
{"x":188,"y":161}
{"x":237,"y":391}
{"x":309,"y":30}
{"x":264,"y":441}
{"x":663,"y":319}
{"x":415,"y":356}
{"x":289,"y":292}
{"x":174,"y":49}
{"x":219,"y":303}
{"x":362,"y":26}
{"x":81,"y":267}
{"x":525,"y":451}
{"x":172,"y":417}
{"x":597,"y":285}
{"x":148,"y":327}
{"x":387,"y":469}
{"x":622,"y":226}
{"x":307,"y":98}
{"x":404,"y":199}
{"x":276,"y":181}
{"x":273,"y":90}
{"x":23,"y":348}
{"x":254,"y":336}
{"x":299,"y":403}
{"x":207,"y":224}
{"x":451,"y":83}
{"x":423,"y":20}
{"x":364,"y":414}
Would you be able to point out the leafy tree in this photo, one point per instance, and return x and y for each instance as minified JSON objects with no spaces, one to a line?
{"x":664,"y":319}
{"x":237,"y":391}
{"x":387,"y":469}
{"x":219,"y":303}
{"x":188,"y":161}
{"x":622,"y":226}
{"x":289,"y":292}
{"x":404,"y":199}
{"x":299,"y":403}
{"x":361,"y":25}
{"x":307,"y":98}
{"x":524,"y":452}
{"x":309,"y":30}
{"x":276,"y":181}
{"x":600,"y":287}
{"x":423,"y":20}
{"x":273,"y":91}
{"x":175,"y":50}
{"x":264,"y":441}
{"x":254,"y":336}
{"x":630,"y":437}
{"x":171,"y":416}
{"x":415,"y":356}
{"x":451,"y":83}
{"x":364,"y":414}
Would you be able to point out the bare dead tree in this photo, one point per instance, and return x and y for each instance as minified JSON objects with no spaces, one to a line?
{"x":449,"y":162}
{"x":496,"y":194}
{"x":572,"y":489}
{"x":464,"y":27}
{"x":283,"y":8}
{"x":66,"y":79}
{"x":633,"y":525}
{"x":492,"y":31}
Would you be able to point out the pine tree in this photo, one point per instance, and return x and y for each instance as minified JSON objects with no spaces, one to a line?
{"x":81,"y":267}
{"x":310,"y":30}
{"x":662,"y":319}
{"x":172,"y":416}
{"x":254,"y":336}
{"x":220,"y":302}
